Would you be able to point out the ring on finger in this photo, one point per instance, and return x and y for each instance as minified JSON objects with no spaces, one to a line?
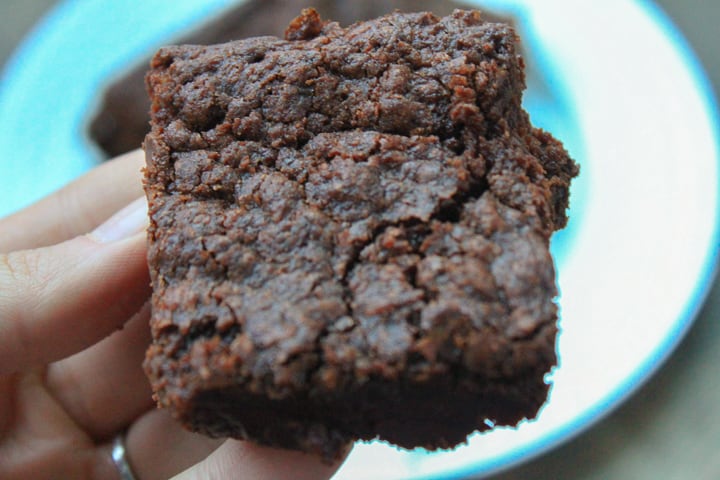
{"x":120,"y":458}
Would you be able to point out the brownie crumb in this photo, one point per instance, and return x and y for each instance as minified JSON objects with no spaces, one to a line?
{"x":305,"y":26}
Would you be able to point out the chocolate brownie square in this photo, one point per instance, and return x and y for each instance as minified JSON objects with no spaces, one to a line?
{"x":349,"y":234}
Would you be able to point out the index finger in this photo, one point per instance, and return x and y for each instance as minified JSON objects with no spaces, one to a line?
{"x":58,"y":300}
{"x":77,"y":208}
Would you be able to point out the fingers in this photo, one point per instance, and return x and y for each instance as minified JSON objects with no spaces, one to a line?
{"x":238,"y":459}
{"x":58,"y":300}
{"x":39,"y":441}
{"x":158,"y":447}
{"x":76,"y":208}
{"x":104,"y":387}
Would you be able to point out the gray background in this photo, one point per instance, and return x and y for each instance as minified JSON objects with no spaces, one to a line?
{"x":670,"y":429}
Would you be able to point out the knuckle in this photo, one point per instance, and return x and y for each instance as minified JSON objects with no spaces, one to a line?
{"x":16,"y":265}
{"x":18,"y":291}
{"x":22,"y":280}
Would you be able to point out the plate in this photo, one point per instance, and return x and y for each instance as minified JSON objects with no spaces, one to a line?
{"x":614,"y":80}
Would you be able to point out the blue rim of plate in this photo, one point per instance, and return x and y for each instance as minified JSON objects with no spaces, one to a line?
{"x":188,"y":18}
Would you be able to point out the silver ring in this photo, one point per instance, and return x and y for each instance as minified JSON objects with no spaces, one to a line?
{"x":119,"y":456}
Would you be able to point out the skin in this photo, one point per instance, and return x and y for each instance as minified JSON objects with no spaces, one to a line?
{"x":73,"y":332}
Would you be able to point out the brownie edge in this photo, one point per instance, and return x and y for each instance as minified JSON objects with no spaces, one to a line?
{"x":349,"y":233}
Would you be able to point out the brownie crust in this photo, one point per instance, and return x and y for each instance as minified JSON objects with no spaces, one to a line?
{"x":349,"y":234}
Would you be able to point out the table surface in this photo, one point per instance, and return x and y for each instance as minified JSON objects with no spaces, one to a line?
{"x":670,"y":429}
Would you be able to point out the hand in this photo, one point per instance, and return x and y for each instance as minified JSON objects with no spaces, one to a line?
{"x":73,"y":332}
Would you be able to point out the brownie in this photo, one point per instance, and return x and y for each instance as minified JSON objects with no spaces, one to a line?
{"x":349,"y":234}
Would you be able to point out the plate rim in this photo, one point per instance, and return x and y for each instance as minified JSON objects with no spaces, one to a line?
{"x":644,"y":371}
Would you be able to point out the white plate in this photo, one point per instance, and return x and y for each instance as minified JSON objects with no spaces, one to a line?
{"x":614,"y":80}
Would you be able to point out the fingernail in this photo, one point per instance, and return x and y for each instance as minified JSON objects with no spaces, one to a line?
{"x":127,"y":222}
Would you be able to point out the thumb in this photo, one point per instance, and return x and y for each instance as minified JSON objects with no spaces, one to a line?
{"x":58,"y":300}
